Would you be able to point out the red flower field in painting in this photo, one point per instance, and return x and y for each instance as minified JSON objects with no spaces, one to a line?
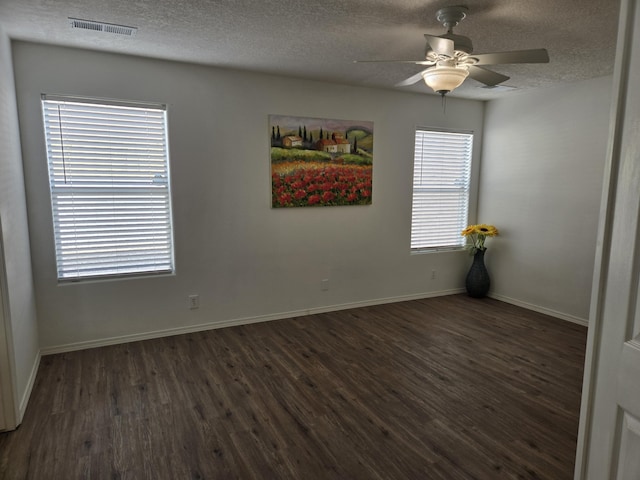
{"x":301,"y":184}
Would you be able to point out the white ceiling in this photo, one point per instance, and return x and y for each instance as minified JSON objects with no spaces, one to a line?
{"x":319,"y":39}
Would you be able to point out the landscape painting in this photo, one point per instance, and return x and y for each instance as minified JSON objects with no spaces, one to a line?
{"x":320,"y":162}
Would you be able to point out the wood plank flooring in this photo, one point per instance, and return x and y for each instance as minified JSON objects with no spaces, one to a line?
{"x":448,"y":388}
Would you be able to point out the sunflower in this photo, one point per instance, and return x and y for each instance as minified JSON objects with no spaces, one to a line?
{"x":486,"y":230}
{"x":471,"y":229}
{"x":478,"y":235}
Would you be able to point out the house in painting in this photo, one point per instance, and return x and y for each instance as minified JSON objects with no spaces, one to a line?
{"x":291,"y":141}
{"x":327,"y":145}
{"x":342,"y":145}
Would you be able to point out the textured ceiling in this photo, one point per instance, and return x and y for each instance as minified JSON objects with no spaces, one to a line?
{"x":320,"y":39}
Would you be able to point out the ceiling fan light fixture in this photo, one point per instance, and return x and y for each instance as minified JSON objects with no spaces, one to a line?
{"x":443,"y":79}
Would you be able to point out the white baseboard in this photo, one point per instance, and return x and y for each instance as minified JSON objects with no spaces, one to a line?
{"x":69,"y":347}
{"x":27,"y":392}
{"x":539,"y":309}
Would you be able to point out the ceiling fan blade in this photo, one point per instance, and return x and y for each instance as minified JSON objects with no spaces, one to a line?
{"x":488,"y":77}
{"x":539,"y":55}
{"x":411,"y":80}
{"x":415,"y":62}
{"x":442,"y":46}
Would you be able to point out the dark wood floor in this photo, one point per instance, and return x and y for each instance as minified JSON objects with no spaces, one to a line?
{"x":443,"y":388}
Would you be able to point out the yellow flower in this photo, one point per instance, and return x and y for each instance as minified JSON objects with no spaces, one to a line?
{"x":486,"y":230}
{"x":471,"y":229}
{"x":477,"y":235}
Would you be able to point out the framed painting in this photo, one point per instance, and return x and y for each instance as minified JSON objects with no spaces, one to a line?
{"x":317,"y":162}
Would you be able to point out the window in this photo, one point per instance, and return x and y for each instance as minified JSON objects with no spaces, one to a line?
{"x":441,"y":178}
{"x":110,"y":195}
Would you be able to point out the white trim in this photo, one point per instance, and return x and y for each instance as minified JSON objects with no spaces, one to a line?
{"x":56,"y":97}
{"x":24,"y":401}
{"x":537,"y":308}
{"x":69,"y":347}
{"x":9,"y":414}
{"x":590,"y":454}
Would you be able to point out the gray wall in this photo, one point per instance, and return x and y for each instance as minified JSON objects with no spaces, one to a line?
{"x":245,"y":260}
{"x":17,"y":292}
{"x":540,"y":182}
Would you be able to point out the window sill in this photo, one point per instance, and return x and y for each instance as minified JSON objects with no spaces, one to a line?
{"x":63,"y":282}
{"x":421,"y":251}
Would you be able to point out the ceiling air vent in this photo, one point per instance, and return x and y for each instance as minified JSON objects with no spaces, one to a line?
{"x":499,"y":88}
{"x":102,"y":27}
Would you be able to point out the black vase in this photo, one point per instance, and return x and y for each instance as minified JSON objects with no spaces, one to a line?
{"x":478,"y":277}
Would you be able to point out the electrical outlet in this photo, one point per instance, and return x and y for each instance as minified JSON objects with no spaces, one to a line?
{"x":433,"y":274}
{"x":324,"y":284}
{"x":194,"y":302}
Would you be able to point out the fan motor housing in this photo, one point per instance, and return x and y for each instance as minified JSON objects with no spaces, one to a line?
{"x":460,"y":42}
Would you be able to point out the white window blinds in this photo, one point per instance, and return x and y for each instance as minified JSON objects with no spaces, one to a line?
{"x":441,"y":178}
{"x":109,"y":180}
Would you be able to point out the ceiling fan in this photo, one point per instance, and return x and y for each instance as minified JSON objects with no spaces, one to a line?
{"x":450,"y":58}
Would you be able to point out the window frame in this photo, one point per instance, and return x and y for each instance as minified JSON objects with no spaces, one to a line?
{"x":157,"y":193}
{"x":466,"y":189}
